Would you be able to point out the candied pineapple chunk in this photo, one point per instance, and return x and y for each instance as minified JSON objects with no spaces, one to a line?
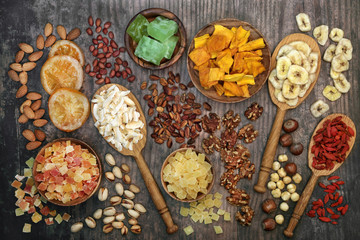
{"x":218,"y":195}
{"x":184,"y":211}
{"x":227,"y":216}
{"x":218,"y":229}
{"x":27,"y":228}
{"x":188,"y":230}
{"x":221,"y":211}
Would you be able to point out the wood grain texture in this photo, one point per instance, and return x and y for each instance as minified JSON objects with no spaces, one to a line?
{"x":22,"y":21}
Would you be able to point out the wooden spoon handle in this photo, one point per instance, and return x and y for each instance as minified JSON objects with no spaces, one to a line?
{"x":155,"y":194}
{"x":301,"y":205}
{"x":270,"y":151}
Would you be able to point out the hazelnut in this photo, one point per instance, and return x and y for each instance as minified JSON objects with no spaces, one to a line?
{"x":271,"y":185}
{"x":284,"y":206}
{"x":269,"y":206}
{"x":285,"y":196}
{"x":281,"y":172}
{"x":291,"y":188}
{"x":296,"y":148}
{"x":276,"y":193}
{"x":286,"y":140}
{"x":280,"y":184}
{"x":276,"y":166}
{"x":290,"y":125}
{"x":287,"y":180}
{"x":269,"y":224}
{"x":290,"y":168}
{"x":297,"y":178}
{"x":295,"y":197}
{"x":274,"y":177}
{"x":279,"y":219}
{"x":283,"y":158}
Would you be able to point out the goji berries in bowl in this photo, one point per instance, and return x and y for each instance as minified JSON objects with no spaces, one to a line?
{"x":67,"y":172}
{"x":150,"y":15}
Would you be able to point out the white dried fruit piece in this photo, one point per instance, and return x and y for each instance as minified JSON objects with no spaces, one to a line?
{"x":282,"y":158}
{"x":284,"y":50}
{"x":284,"y":206}
{"x":280,"y":184}
{"x":110,"y":159}
{"x":336,"y":34}
{"x":115,"y":200}
{"x":107,"y":228}
{"x":125,"y":168}
{"x":282,"y":67}
{"x":313,"y":61}
{"x":321,"y":34}
{"x":119,"y":188}
{"x":134,"y":188}
{"x":339,"y":63}
{"x":305,"y":62}
{"x":329,"y":53}
{"x":304,"y":88}
{"x":292,"y":102}
{"x":341,"y":84}
{"x":291,"y":188}
{"x":129,"y":195}
{"x":133,"y":221}
{"x":297,"y":178}
{"x":279,"y":219}
{"x":303,"y":22}
{"x":110,"y":176}
{"x":285,"y":196}
{"x":279,"y":96}
{"x":297,"y":75}
{"x":90,"y":222}
{"x":127,"y":203}
{"x":344,"y":47}
{"x":124,"y":230}
{"x":318,"y":108}
{"x":276,"y":193}
{"x":281,"y":172}
{"x":103,"y":194}
{"x":287,"y":180}
{"x":276,"y":165}
{"x":98,"y":214}
{"x":290,"y":90}
{"x":334,"y":74}
{"x":117,"y":172}
{"x":302,"y":47}
{"x":271,"y":185}
{"x":295,"y":197}
{"x":76,"y":227}
{"x":133,"y":213}
{"x":274,"y":177}
{"x":294,"y":56}
{"x":140,"y":208}
{"x":120,"y":217}
{"x":275,"y":81}
{"x":117,"y":224}
{"x":135,"y":229}
{"x":331,"y":93}
{"x":108,"y":219}
{"x":109,"y":211}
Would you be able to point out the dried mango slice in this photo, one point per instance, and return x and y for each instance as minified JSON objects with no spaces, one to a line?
{"x":241,"y":37}
{"x":245,"y":91}
{"x":199,"y":56}
{"x":223,"y":31}
{"x":252,"y":45}
{"x":216,"y":43}
{"x":233,"y":88}
{"x":225,"y":62}
{"x":247,"y":79}
{"x":236,"y":77}
{"x":219,"y":89}
{"x":201,"y":41}
{"x":216,"y":74}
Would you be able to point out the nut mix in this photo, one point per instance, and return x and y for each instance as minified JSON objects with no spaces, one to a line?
{"x":254,"y":111}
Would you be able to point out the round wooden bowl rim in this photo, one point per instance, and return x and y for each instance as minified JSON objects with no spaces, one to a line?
{"x":223,"y":98}
{"x":85,"y":197}
{"x":200,"y":195}
{"x":182,"y":40}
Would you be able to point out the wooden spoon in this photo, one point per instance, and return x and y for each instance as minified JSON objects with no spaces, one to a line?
{"x":273,"y":140}
{"x":151,"y":185}
{"x":306,"y":194}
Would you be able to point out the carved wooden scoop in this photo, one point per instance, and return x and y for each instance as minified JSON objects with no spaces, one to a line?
{"x":306,"y":194}
{"x":273,"y":140}
{"x":150,"y":183}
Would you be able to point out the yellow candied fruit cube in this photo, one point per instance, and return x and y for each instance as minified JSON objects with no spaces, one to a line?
{"x":209,"y":203}
{"x":68,"y":143}
{"x":58,"y":219}
{"x":215,"y":217}
{"x":218,"y":195}
{"x":86,"y":176}
{"x":227,"y":216}
{"x":78,"y":178}
{"x":36,"y":217}
{"x":209,"y":196}
{"x":217,"y":203}
{"x":193,"y":204}
{"x":30,"y":181}
{"x":195,"y":217}
{"x":201,"y":220}
{"x":201,"y":157}
{"x":67,"y":188}
{"x":188,"y":230}
{"x":201,"y":207}
{"x":211,"y":211}
{"x":27,"y":172}
{"x":27,"y":228}
{"x":184,"y":211}
{"x":208,"y":220}
{"x":37,"y":202}
{"x":221,"y":211}
{"x":191,"y":211}
{"x":39,"y":167}
{"x":19,"y":193}
{"x":218,"y":229}
{"x":48,"y":152}
{"x":92,"y":161}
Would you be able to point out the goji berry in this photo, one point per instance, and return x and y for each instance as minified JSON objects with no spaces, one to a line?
{"x":325,"y":219}
{"x":339,"y":182}
{"x":344,"y":210}
{"x":326,"y":198}
{"x":333,"y":178}
{"x":335,"y":216}
{"x":330,"y":211}
{"x":333,"y":222}
{"x":322,"y":185}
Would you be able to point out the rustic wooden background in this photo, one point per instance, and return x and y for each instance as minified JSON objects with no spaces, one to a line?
{"x":21,"y":21}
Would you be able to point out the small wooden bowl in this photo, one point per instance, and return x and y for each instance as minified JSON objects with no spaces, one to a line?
{"x":151,"y":14}
{"x":259,"y":80}
{"x":83,"y":145}
{"x":171,"y":194}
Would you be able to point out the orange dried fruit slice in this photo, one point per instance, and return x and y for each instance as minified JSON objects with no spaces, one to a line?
{"x":68,"y":109}
{"x":69,"y":48}
{"x":61,"y":71}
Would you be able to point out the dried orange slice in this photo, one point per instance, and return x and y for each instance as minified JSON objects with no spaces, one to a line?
{"x":68,"y":109}
{"x":61,"y":71}
{"x":66,"y":47}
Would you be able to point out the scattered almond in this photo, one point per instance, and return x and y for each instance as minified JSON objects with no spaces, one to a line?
{"x":19,"y":56}
{"x":40,"y":135}
{"x":29,"y":113}
{"x":13,"y":75}
{"x":35,"y":56}
{"x":61,"y":31}
{"x":40,"y":42}
{"x":28,"y":66}
{"x":48,"y":29}
{"x":33,"y":96}
{"x":21,"y":91}
{"x":36,"y":105}
{"x":26,"y":47}
{"x":16,"y":67}
{"x":23,"y":119}
{"x":23,"y":78}
{"x":25,"y":103}
{"x":40,"y":122}
{"x":73,"y":34}
{"x":29,"y":135}
{"x":33,"y":145}
{"x":50,"y":41}
{"x":39,"y":113}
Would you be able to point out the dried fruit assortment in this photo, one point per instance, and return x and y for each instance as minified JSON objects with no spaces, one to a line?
{"x":66,"y":172}
{"x":331,"y":144}
{"x":227,"y":61}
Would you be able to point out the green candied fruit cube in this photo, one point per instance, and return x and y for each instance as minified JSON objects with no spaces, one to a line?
{"x":162,"y":28}
{"x":30,"y":162}
{"x":170,"y":45}
{"x":138,"y":28}
{"x":150,"y":50}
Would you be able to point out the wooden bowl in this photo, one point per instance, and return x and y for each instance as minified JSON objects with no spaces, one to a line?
{"x":259,"y":80}
{"x":83,"y":145}
{"x":150,"y":14}
{"x":200,"y":195}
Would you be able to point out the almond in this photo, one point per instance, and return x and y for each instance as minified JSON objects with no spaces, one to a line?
{"x":61,"y":31}
{"x":40,"y":42}
{"x":50,"y":41}
{"x":40,"y":122}
{"x":48,"y":29}
{"x":40,"y":135}
{"x":33,"y":145}
{"x":39,"y":113}
{"x":16,"y":67}
{"x":23,"y":119}
{"x":36,"y":105}
{"x":33,"y":96}
{"x":29,"y":113}
{"x":28,"y":66}
{"x":23,"y":78}
{"x":35,"y":56}
{"x":73,"y":34}
{"x":26,"y":47}
{"x":13,"y":75}
{"x":25,"y":103}
{"x":21,"y":91}
{"x":19,"y":56}
{"x":29,"y":135}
